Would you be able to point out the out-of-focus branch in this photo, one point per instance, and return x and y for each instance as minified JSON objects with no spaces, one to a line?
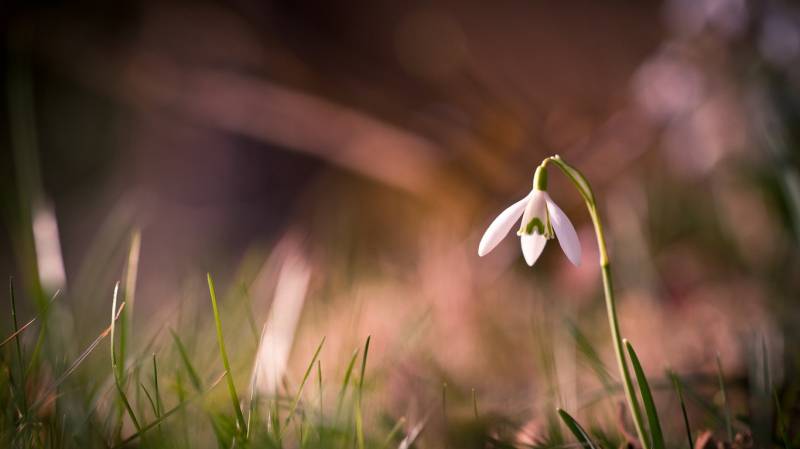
{"x":256,"y":108}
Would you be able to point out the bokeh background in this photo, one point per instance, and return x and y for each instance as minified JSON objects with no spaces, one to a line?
{"x":349,"y":155}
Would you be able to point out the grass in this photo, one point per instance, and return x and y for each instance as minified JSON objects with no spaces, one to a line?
{"x":242,"y":429}
{"x":647,"y":399}
{"x":724,"y":397}
{"x":679,"y":391}
{"x":157,"y":411}
{"x":580,"y":433}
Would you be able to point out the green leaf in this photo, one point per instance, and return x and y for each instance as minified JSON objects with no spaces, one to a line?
{"x":647,"y":399}
{"x":780,"y":421}
{"x":224,"y":354}
{"x":677,"y":384}
{"x":475,"y":403}
{"x":159,"y":401}
{"x":345,"y":382}
{"x":126,"y":319}
{"x":115,"y":314}
{"x":196,"y":382}
{"x":150,"y":400}
{"x":360,"y":393}
{"x":398,"y":426}
{"x":20,"y":358}
{"x":577,"y":430}
{"x":296,"y":400}
{"x":363,"y":366}
{"x":726,"y":409}
{"x":588,"y":351}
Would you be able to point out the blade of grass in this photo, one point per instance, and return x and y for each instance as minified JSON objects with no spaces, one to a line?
{"x":17,"y":332}
{"x":134,"y":379}
{"x":15,"y":335}
{"x":252,"y":406}
{"x":302,"y":429}
{"x":16,"y":327}
{"x":359,"y":397}
{"x":359,"y":428}
{"x":690,"y":393}
{"x":224,"y":430}
{"x":319,"y":392}
{"x":84,"y":354}
{"x":37,"y":348}
{"x":762,"y":423}
{"x":126,"y":320}
{"x":113,"y":326}
{"x":150,"y":400}
{"x":248,"y":300}
{"x":765,"y":365}
{"x":159,"y":402}
{"x":184,"y":356}
{"x":647,"y":398}
{"x":345,"y":383}
{"x":297,"y":396}
{"x":415,"y":432}
{"x":677,"y":384}
{"x":475,"y":403}
{"x":444,"y":402}
{"x":576,"y":429}
{"x":24,"y":145}
{"x":725,"y":408}
{"x":392,"y":433}
{"x":363,"y":367}
{"x":223,"y":353}
{"x":251,"y":411}
{"x":275,"y":420}
{"x":444,"y":416}
{"x":585,"y":347}
{"x":117,"y":380}
{"x":168,"y":413}
{"x":20,"y":383}
{"x":780,"y":421}
{"x":180,"y":391}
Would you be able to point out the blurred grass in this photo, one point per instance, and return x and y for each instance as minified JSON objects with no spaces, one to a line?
{"x":65,"y":416}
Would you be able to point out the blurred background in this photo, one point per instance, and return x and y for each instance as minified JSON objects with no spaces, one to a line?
{"x":347,"y":156}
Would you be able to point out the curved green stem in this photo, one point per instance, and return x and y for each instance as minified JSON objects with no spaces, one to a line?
{"x":608,"y":289}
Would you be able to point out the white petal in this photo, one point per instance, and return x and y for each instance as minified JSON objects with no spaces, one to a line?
{"x":500,"y":226}
{"x":532,"y":246}
{"x":567,"y":237}
{"x":535,"y":208}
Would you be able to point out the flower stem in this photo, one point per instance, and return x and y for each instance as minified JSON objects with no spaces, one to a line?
{"x":608,"y":289}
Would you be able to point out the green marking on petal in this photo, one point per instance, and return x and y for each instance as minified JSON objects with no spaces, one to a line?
{"x":533,"y":226}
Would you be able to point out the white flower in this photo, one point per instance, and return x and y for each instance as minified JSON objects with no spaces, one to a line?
{"x":540,"y":218}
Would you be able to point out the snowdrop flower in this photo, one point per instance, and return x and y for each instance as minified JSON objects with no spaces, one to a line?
{"x":542,"y":220}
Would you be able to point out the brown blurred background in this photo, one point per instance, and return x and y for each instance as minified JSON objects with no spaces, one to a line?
{"x":376,"y":140}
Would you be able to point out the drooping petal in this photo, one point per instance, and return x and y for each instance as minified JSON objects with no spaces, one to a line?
{"x":535,"y":209}
{"x":565,"y":232}
{"x":532,"y":246}
{"x":500,"y":226}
